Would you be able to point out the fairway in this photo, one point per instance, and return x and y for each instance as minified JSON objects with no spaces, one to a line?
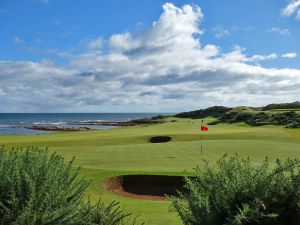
{"x":119,"y":151}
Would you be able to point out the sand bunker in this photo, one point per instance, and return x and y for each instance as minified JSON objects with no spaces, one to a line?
{"x":151,"y":187}
{"x":160,"y":139}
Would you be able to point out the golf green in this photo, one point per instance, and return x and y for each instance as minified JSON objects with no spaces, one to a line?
{"x":119,"y":151}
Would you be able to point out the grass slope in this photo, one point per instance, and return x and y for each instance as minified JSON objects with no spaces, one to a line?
{"x":126,"y":150}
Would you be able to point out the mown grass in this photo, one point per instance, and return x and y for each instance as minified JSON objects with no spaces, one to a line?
{"x":106,"y":153}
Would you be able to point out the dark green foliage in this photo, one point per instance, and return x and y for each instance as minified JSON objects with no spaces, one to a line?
{"x":145,"y":121}
{"x":101,"y":214}
{"x":254,"y":119}
{"x":159,"y":117}
{"x":294,"y":124}
{"x":234,"y":192}
{"x":288,"y":119}
{"x":215,"y":122}
{"x":38,"y":189}
{"x":250,"y":115}
{"x":293,"y":105}
{"x":215,"y":111}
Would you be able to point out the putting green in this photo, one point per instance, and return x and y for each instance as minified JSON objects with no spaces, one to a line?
{"x":127,"y":150}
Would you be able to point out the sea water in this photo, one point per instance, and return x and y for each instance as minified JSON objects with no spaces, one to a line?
{"x":15,"y":123}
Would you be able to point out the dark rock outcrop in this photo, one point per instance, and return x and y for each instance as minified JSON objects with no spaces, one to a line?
{"x":55,"y":128}
{"x":118,"y":123}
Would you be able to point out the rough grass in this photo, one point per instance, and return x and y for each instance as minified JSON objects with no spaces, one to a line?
{"x":127,"y":150}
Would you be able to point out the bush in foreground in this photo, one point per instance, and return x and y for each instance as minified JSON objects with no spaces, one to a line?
{"x":38,"y":189}
{"x":234,"y":192}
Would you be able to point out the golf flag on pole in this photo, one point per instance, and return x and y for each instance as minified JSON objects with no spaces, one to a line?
{"x":204,"y":128}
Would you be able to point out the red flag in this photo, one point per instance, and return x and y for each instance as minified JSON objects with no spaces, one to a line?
{"x":204,"y":128}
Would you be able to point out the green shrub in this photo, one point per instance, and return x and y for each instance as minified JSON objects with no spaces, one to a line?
{"x":289,"y":119}
{"x":294,"y":124}
{"x":292,"y":105}
{"x":104,"y":215}
{"x":38,"y":189}
{"x":215,"y":122}
{"x":234,"y":192}
{"x":215,"y":111}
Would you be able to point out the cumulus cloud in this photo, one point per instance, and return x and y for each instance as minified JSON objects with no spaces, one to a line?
{"x":163,"y":68}
{"x":175,"y":27}
{"x":123,"y":42}
{"x":293,"y":8}
{"x":289,"y":55}
{"x":238,"y":55}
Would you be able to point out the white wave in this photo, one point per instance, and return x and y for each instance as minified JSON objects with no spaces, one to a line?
{"x":58,"y":123}
{"x":48,"y":123}
{"x":89,"y":121}
{"x":40,"y":123}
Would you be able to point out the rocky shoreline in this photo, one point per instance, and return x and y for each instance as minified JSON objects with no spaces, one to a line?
{"x":116,"y":123}
{"x":83,"y":125}
{"x":55,"y":128}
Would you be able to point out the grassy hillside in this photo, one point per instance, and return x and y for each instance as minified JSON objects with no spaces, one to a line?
{"x":284,"y":114}
{"x":292,"y":105}
{"x":126,"y":150}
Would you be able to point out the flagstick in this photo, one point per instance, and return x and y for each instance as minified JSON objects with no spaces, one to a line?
{"x":201,"y":143}
{"x":201,"y":139}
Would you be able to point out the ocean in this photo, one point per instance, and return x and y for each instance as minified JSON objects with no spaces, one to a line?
{"x":15,"y":123}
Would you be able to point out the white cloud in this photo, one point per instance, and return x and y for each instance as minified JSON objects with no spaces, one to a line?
{"x":237,"y":55}
{"x":123,"y":42}
{"x":279,"y":31}
{"x":298,"y":15}
{"x":263,"y":57}
{"x":95,"y":44}
{"x":163,"y":68}
{"x":289,"y":55}
{"x":176,"y":26}
{"x":210,"y":51}
{"x":2,"y":93}
{"x":44,"y":1}
{"x":18,"y":40}
{"x":220,"y":32}
{"x":293,"y":8}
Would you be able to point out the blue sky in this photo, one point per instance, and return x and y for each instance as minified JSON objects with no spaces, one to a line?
{"x":105,"y":56}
